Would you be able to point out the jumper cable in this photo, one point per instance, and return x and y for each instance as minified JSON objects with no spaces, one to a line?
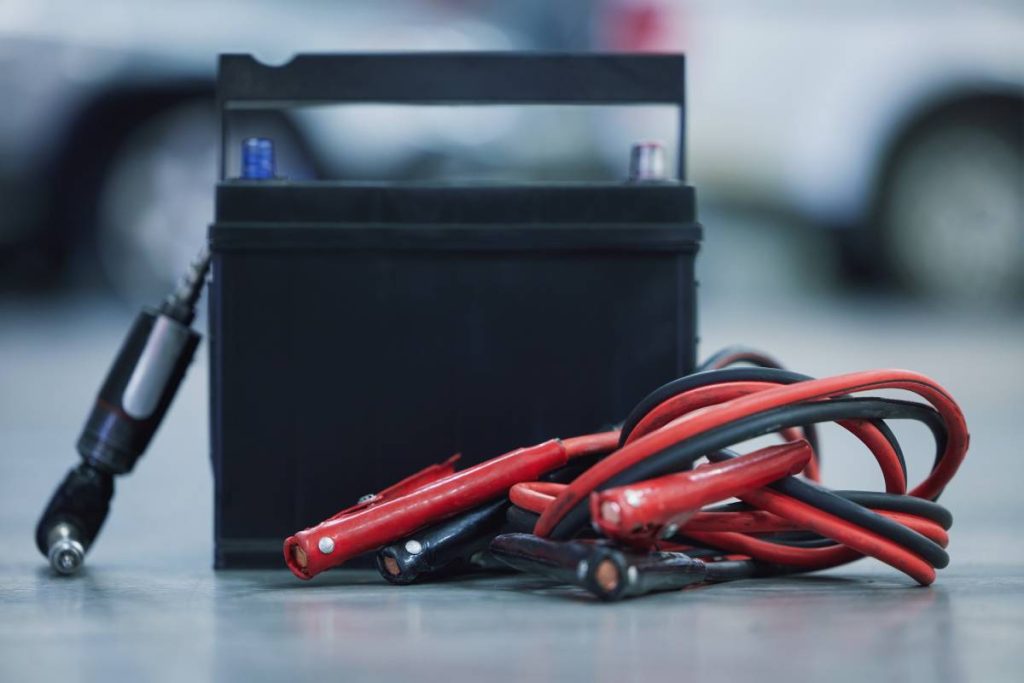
{"x":647,"y":492}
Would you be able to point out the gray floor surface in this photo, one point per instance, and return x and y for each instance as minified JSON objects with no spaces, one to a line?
{"x":148,"y":606}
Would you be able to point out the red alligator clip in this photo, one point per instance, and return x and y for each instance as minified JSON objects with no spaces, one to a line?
{"x":359,"y":529}
{"x":641,"y":512}
{"x":427,"y":475}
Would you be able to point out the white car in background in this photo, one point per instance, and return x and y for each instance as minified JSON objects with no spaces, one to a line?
{"x":898,"y":124}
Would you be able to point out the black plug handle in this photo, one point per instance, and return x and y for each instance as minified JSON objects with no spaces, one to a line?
{"x":137,"y":391}
{"x":133,"y":400}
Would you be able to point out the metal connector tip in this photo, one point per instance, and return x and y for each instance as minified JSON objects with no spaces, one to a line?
{"x":647,"y":162}
{"x":66,"y":556}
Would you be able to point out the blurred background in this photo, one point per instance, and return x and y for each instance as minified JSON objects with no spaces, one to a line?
{"x":889,"y":134}
{"x":858,"y":167}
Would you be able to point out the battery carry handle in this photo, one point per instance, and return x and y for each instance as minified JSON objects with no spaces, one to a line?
{"x":453,"y":78}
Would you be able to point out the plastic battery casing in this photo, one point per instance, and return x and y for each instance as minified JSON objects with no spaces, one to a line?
{"x":360,"y":331}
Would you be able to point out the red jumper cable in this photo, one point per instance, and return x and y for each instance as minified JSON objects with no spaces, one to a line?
{"x":427,"y":498}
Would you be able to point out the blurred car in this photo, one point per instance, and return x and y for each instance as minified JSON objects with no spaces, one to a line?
{"x":109,"y":137}
{"x":898,"y":125}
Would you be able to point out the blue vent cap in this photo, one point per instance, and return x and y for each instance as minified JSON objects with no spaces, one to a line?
{"x":258,"y":159}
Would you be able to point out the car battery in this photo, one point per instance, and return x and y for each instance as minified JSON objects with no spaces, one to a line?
{"x":360,"y":331}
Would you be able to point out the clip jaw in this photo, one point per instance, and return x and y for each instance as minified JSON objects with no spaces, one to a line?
{"x":641,"y":513}
{"x":605,"y":571}
{"x":444,"y":548}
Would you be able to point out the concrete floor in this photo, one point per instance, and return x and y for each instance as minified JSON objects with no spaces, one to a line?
{"x":148,"y":606}
{"x":180,"y":624}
